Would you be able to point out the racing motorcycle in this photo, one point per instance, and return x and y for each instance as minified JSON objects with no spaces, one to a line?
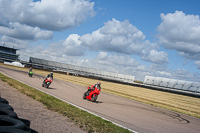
{"x":47,"y":82}
{"x":30,"y":73}
{"x":92,"y":94}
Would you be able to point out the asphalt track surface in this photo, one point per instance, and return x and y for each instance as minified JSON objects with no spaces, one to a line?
{"x":134,"y":115}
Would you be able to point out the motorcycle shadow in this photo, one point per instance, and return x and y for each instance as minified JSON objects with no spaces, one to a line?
{"x":98,"y":102}
{"x":31,"y":77}
{"x":50,"y":88}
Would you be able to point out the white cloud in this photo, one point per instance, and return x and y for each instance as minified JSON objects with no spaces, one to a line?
{"x":123,"y":37}
{"x":46,"y":14}
{"x":197,"y":63}
{"x":49,"y":54}
{"x":71,"y":46}
{"x":164,"y":73}
{"x":28,"y":20}
{"x":24,"y":32}
{"x":12,"y":42}
{"x":113,"y":62}
{"x":68,"y":48}
{"x":102,"y":55}
{"x":114,"y":59}
{"x":184,"y":74}
{"x":115,"y":36}
{"x":181,"y":32}
{"x":158,"y":57}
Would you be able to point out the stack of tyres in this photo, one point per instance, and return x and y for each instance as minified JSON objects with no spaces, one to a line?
{"x":10,"y":122}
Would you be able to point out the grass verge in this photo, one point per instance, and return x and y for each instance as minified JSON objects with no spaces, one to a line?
{"x":82,"y":118}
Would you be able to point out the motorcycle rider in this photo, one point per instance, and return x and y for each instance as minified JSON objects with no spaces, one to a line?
{"x":97,"y":85}
{"x":49,"y":75}
{"x":30,"y":70}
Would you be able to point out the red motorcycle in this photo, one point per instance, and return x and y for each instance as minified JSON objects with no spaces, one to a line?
{"x":47,"y":82}
{"x":92,"y":94}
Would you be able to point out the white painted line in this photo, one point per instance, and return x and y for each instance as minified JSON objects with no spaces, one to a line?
{"x":72,"y":104}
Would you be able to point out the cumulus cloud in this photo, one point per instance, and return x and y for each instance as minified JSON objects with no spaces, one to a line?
{"x":24,"y":32}
{"x":49,"y":54}
{"x":118,"y":38}
{"x":29,"y":20}
{"x":47,"y":14}
{"x":12,"y":42}
{"x":116,"y":59}
{"x":113,"y":62}
{"x":71,"y":46}
{"x":197,"y":63}
{"x":115,"y":36}
{"x":181,"y":32}
{"x":184,"y":74}
{"x":158,"y":57}
{"x":122,"y":37}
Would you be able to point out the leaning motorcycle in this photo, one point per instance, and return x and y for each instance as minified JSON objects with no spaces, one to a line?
{"x":47,"y":82}
{"x":92,"y":95}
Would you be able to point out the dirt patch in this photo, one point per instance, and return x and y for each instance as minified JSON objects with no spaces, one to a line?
{"x":42,"y":120}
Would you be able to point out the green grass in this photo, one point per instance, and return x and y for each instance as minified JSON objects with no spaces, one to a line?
{"x":83,"y":119}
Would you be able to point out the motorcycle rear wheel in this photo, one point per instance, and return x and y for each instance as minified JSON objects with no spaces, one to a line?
{"x":84,"y":95}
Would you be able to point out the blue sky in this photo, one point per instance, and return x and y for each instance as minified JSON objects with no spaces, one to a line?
{"x":136,"y":37}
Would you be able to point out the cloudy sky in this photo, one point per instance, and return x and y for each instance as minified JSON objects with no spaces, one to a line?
{"x":135,"y":37}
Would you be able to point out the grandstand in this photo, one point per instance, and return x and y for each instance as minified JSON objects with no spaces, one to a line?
{"x":79,"y":70}
{"x":173,"y":85}
{"x":8,"y":54}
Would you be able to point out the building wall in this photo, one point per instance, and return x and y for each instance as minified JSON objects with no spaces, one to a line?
{"x":7,"y":53}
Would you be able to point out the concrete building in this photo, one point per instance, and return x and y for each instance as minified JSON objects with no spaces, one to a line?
{"x":8,"y":54}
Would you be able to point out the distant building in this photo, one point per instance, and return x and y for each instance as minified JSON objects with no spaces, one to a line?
{"x":8,"y":54}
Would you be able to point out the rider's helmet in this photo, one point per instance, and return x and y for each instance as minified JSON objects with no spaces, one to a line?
{"x":51,"y":74}
{"x":98,"y":84}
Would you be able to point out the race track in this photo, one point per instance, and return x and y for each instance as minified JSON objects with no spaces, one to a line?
{"x":131,"y":114}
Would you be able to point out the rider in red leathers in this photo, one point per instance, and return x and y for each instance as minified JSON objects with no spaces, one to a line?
{"x":97,"y":85}
{"x":49,"y":75}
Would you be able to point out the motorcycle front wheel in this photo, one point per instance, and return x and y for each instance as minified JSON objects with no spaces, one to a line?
{"x":93,"y":99}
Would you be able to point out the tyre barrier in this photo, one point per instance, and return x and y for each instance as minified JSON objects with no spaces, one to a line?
{"x":10,"y":122}
{"x":2,"y":100}
{"x":11,"y":130}
{"x":7,"y":106}
{"x":8,"y":113}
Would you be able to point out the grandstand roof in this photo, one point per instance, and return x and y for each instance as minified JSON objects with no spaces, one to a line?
{"x":4,"y":47}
